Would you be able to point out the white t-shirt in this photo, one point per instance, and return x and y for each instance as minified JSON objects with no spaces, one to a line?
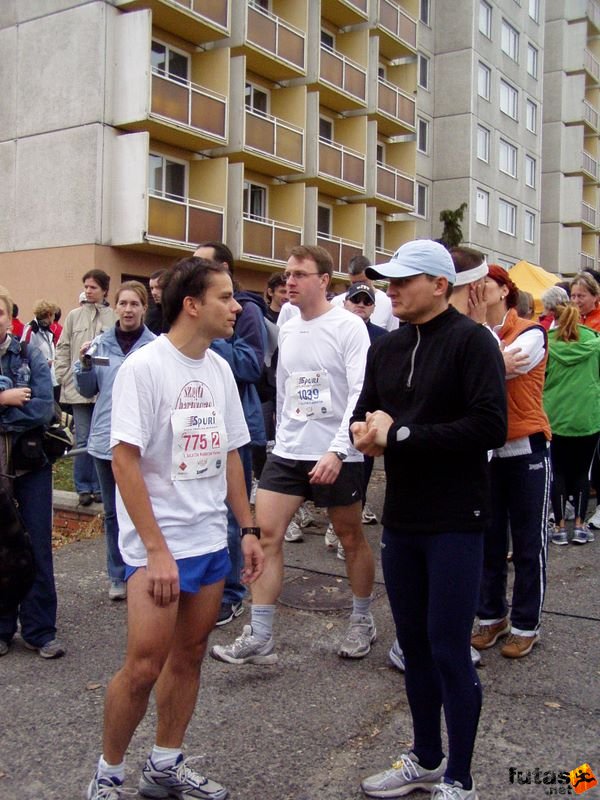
{"x":382,"y":313}
{"x":153,"y":384}
{"x":320,"y":374}
{"x":288,"y":310}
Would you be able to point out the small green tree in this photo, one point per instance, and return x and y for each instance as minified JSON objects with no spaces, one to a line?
{"x":452,"y":233}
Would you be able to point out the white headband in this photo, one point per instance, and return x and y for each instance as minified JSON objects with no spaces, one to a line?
{"x":471,"y":275}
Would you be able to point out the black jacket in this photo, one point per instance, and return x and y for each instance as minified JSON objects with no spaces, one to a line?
{"x":443,"y":383}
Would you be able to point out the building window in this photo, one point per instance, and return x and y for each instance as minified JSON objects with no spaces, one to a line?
{"x":423,"y":71}
{"x":507,"y":217}
{"x":507,"y":158}
{"x":484,"y":75}
{"x":421,"y":198}
{"x":170,"y":62}
{"x":509,"y":100}
{"x":485,"y":18}
{"x":327,"y":39}
{"x":530,"y":169}
{"x":255,"y":200}
{"x":529,"y":232}
{"x":534,"y":10}
{"x":379,"y":239}
{"x":532,"y":60}
{"x":531,"y":116}
{"x":509,"y":41}
{"x":483,"y":143}
{"x":325,"y":129}
{"x":380,"y":153}
{"x":324,"y":220}
{"x":256,"y":99}
{"x":422,"y":135}
{"x":424,"y":11}
{"x":166,"y":178}
{"x":482,"y":207}
{"x":381,"y":72}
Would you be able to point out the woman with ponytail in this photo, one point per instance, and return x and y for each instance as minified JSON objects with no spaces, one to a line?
{"x":572,"y":403}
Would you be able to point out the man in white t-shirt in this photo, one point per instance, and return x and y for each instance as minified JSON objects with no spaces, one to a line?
{"x":322,"y":356}
{"x":382,"y":313}
{"x":177,"y":422}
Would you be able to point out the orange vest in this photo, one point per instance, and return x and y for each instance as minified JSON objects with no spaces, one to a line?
{"x":592,"y":320}
{"x":526,"y":413}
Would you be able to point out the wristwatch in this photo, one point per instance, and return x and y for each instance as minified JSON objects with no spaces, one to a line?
{"x":341,"y":456}
{"x":250,"y":531}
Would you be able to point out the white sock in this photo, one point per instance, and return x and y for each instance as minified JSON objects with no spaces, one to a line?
{"x":106,"y":770}
{"x":361,"y":605}
{"x":262,"y":621}
{"x":164,"y":756}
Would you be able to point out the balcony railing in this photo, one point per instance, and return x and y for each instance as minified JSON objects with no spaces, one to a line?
{"x":588,"y":214}
{"x":590,"y":114}
{"x":275,"y":36}
{"x":194,"y":106}
{"x":267,"y":239}
{"x":274,"y":137}
{"x":213,"y":10}
{"x":340,"y":250}
{"x":395,"y":103}
{"x":397,"y":22}
{"x":587,"y":261}
{"x":342,"y":163}
{"x":341,"y":72}
{"x":592,"y":65}
{"x":593,"y":12}
{"x":589,"y":164}
{"x":395,"y":185}
{"x":382,"y":256}
{"x":183,"y":221}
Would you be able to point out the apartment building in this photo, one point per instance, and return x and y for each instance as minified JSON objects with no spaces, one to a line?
{"x":130,"y":130}
{"x":479,"y":123}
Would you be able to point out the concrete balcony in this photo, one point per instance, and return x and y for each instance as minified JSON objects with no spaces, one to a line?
{"x":340,"y":170}
{"x":397,"y":30}
{"x":395,"y":109}
{"x":273,"y":47}
{"x":382,"y":256}
{"x":271,"y":144}
{"x":180,"y":223}
{"x":342,"y":82}
{"x":587,"y":261}
{"x":589,"y":167}
{"x":267,"y":240}
{"x":588,"y":215}
{"x":346,"y":12}
{"x":185,"y":114}
{"x":593,"y":13}
{"x":341,"y":250}
{"x":193,"y":20}
{"x":590,"y":115}
{"x":392,"y":190}
{"x":592,"y":67}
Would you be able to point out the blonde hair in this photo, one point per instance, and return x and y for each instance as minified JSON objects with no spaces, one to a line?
{"x":43,"y":308}
{"x":567,"y":318}
{"x":588,"y":282}
{"x":7,"y":300}
{"x":133,"y":286}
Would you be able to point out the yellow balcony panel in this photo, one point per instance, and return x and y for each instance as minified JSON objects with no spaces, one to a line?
{"x":340,"y":250}
{"x":346,"y":12}
{"x":274,"y":48}
{"x":395,"y":189}
{"x":267,"y":240}
{"x":395,"y":111}
{"x":199,"y":112}
{"x":396,"y":29}
{"x":271,"y":144}
{"x":342,"y":82}
{"x":183,"y":222}
{"x":193,"y":20}
{"x":340,"y":171}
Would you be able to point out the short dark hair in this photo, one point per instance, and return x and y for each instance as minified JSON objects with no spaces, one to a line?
{"x":275,"y":280}
{"x":190,"y":277}
{"x":222,"y":253}
{"x":101,"y":278}
{"x":315,"y":253}
{"x":15,"y":310}
{"x":159,"y":276}
{"x":358,"y":264}
{"x":466,"y":258}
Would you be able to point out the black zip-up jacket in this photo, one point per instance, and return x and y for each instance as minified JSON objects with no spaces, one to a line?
{"x":443,"y":383}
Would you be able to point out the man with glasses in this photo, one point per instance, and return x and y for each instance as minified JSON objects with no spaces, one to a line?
{"x":322,"y":356}
{"x":382,"y":311}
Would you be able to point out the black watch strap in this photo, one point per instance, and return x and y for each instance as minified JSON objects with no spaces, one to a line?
{"x":250,"y":531}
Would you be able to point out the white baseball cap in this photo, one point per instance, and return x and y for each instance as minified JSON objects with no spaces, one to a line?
{"x":419,"y":257}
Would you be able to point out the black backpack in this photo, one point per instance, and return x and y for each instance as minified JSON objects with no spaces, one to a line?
{"x":17,"y":565}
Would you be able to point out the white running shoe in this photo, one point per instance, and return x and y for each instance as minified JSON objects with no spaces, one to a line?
{"x":594,"y":521}
{"x":341,"y":553}
{"x":294,"y":532}
{"x":303,"y":517}
{"x":246,"y":649}
{"x":331,"y":539}
{"x":368,"y":517}
{"x":453,"y":791}
{"x":404,"y":777}
{"x":178,"y":780}
{"x":359,"y":637}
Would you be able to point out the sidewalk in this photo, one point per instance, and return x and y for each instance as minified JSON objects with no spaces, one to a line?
{"x":311,"y":726}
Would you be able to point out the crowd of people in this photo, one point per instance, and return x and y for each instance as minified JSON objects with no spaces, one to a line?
{"x":487,"y":419}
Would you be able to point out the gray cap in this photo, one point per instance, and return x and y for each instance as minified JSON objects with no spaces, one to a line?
{"x":419,"y":257}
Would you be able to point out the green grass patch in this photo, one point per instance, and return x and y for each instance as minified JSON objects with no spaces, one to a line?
{"x":63,"y":475}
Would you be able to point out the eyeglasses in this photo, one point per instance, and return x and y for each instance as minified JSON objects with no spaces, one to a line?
{"x":361,"y":301}
{"x":297,"y":275}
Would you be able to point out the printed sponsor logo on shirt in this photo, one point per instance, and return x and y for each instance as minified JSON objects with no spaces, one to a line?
{"x":536,"y":466}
